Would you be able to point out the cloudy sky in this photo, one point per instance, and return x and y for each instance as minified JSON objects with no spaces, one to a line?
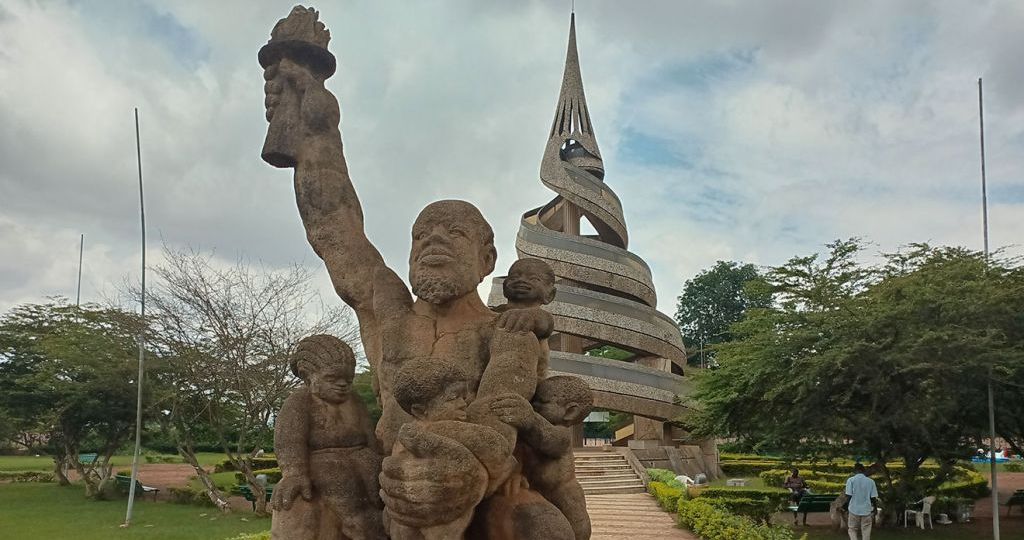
{"x":750,"y":131}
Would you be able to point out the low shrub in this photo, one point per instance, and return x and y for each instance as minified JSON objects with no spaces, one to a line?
{"x":969,"y":485}
{"x":713,"y":522}
{"x":265,"y":535}
{"x":189,"y":495}
{"x":757,"y":509}
{"x":265,"y":462}
{"x":163,"y":458}
{"x":26,"y":476}
{"x":667,"y":496}
{"x":273,"y":475}
{"x":1014,"y":466}
{"x":778,"y":496}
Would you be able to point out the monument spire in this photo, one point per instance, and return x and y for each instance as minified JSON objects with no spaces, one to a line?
{"x":572,"y":126}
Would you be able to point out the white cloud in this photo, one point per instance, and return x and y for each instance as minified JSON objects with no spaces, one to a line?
{"x":785,"y":125}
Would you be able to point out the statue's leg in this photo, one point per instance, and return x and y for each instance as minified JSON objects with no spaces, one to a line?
{"x":526,"y":515}
{"x":340,"y":488}
{"x":569,"y":498}
{"x":300,"y":522}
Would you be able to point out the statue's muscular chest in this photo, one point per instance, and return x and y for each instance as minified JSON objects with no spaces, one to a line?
{"x":465,"y":343}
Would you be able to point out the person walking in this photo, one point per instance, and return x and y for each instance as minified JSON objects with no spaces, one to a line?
{"x":862,"y":501}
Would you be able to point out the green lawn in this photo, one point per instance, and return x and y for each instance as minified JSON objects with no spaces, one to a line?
{"x":31,"y":511}
{"x":1010,"y":531}
{"x":44,"y":463}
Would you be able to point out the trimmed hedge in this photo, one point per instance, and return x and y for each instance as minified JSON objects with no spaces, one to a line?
{"x":273,"y":475}
{"x":713,"y":522}
{"x":757,"y":509}
{"x":189,"y":495}
{"x":265,"y":462}
{"x":777,"y":495}
{"x":667,"y":496}
{"x":967,"y":483}
{"x":26,"y":476}
{"x":265,"y":535}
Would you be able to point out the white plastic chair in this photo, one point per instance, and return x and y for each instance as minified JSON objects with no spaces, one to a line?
{"x":919,"y":515}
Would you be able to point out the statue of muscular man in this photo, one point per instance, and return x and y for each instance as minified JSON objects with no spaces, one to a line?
{"x":452,"y":252}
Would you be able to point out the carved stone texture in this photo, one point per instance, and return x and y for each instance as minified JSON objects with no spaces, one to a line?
{"x":426,"y":480}
{"x":327,"y":451}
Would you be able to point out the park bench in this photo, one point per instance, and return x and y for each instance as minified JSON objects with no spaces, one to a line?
{"x":124,"y":483}
{"x":1017,"y":499}
{"x":812,"y":503}
{"x":246,"y":492}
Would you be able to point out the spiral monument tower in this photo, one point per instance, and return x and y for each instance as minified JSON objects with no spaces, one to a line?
{"x":605,"y":293}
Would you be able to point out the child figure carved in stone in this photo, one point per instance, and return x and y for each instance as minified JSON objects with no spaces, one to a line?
{"x":545,"y":426}
{"x":326,"y":447}
{"x":435,"y":393}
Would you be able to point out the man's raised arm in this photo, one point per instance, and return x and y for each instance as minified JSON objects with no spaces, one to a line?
{"x":303,"y":134}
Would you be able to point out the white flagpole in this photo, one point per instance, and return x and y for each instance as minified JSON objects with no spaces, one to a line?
{"x":142,"y":337}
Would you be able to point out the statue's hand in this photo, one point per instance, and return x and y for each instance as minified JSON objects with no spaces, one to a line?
{"x":436,"y":479}
{"x":300,"y":111}
{"x":534,"y":320}
{"x":288,"y":489}
{"x":512,"y":409}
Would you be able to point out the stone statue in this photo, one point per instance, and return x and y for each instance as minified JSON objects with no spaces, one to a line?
{"x":434,"y":393}
{"x":530,"y":284}
{"x":326,"y":449}
{"x":432,"y":481}
{"x":546,"y":429}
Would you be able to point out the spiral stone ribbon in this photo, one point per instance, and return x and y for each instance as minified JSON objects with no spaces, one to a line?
{"x":605,"y":293}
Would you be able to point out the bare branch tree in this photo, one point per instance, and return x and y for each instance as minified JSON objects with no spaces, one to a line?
{"x":227,"y":333}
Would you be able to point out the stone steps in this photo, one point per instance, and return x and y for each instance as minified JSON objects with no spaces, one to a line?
{"x":603,"y":473}
{"x":633,"y":517}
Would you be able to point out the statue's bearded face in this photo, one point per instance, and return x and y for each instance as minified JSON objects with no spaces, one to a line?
{"x":450,"y":253}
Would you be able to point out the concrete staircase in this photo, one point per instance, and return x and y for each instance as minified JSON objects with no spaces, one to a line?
{"x":605,"y":473}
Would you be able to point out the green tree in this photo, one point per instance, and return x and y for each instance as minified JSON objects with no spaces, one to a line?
{"x":714,"y":300}
{"x":68,"y":383}
{"x":882,"y":363}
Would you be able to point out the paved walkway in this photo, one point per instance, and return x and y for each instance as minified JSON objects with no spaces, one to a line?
{"x":634,"y":516}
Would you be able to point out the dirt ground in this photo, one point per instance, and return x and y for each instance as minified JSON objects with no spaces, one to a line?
{"x":168,"y":475}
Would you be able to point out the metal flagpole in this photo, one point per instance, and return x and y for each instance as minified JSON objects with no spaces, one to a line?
{"x":991,"y":400}
{"x":142,"y":336}
{"x":81,"y":249}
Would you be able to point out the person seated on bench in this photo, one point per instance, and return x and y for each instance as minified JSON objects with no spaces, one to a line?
{"x":796,"y":485}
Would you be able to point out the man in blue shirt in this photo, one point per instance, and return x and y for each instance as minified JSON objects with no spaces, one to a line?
{"x":863,"y":499}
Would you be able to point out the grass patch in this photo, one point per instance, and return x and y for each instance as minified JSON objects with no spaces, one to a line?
{"x":45,"y":463}
{"x":50,"y":511}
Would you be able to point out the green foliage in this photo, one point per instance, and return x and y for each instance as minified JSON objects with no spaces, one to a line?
{"x":189,"y":495}
{"x":712,"y":521}
{"x":612,"y":353}
{"x":26,"y":476}
{"x":664,"y":476}
{"x":881,"y":362}
{"x":1014,"y":466}
{"x":273,"y":475}
{"x":717,"y":298}
{"x":759,"y":509}
{"x":265,"y":462}
{"x":776,"y":495}
{"x":362,"y":384}
{"x":666,"y":496}
{"x":265,"y":535}
{"x":67,"y":381}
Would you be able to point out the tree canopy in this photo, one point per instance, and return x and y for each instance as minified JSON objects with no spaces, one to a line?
{"x":716,"y":299}
{"x":885,"y":362}
{"x":67,"y":382}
